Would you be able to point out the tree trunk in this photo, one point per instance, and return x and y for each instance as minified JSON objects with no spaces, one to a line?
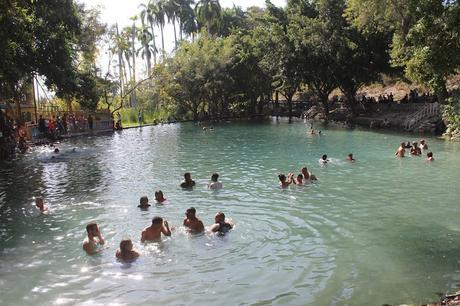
{"x":162,"y":41}
{"x":175,"y":35}
{"x":154,"y":45}
{"x":324,"y":98}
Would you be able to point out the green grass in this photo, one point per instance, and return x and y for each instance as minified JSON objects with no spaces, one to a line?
{"x":129,"y":116}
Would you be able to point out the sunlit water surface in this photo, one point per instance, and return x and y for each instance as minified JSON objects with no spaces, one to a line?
{"x":381,"y":230}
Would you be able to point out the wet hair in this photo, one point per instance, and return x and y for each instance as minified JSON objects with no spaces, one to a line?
{"x":300,"y":176}
{"x":429,"y":154}
{"x":350,"y":155}
{"x":124,"y":246}
{"x":324,"y":157}
{"x":282,"y":177}
{"x":157,"y":220}
{"x":144,"y":200}
{"x":158,"y":193}
{"x":191,"y":211}
{"x":90,"y":226}
{"x":56,"y":150}
{"x":38,"y":199}
{"x":186,"y":174}
{"x":214,"y":177}
{"x":220,"y":214}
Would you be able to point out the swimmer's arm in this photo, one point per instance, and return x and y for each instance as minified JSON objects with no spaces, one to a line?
{"x":214,"y":228}
{"x":143,"y":236}
{"x":165,"y":230}
{"x":201,"y":228}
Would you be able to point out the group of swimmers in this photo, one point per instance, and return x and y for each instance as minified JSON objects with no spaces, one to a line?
{"x":416,"y":149}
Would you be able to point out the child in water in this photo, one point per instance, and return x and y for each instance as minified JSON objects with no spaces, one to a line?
{"x":159,"y":197}
{"x":41,"y":205}
{"x":429,"y":156}
{"x":126,"y":251}
{"x":299,"y":180}
{"x":285,"y":182}
{"x":144,"y":203}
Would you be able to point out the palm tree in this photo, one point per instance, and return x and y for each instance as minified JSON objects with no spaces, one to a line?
{"x":146,"y":50}
{"x":209,"y":13}
{"x":147,"y":15}
{"x":186,"y":17}
{"x":158,"y":12}
{"x":171,"y":10}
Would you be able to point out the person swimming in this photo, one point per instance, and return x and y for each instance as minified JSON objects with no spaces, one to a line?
{"x":350,"y":158}
{"x":92,"y":243}
{"x":415,"y":150}
{"x":423,"y":145}
{"x":307,"y":175}
{"x":159,"y":197}
{"x":429,"y":156}
{"x":188,"y":183}
{"x":285,"y":182}
{"x":154,"y":231}
{"x":144,"y":202}
{"x":191,"y":222}
{"x":298,"y":180}
{"x":126,"y":251}
{"x":215,"y":184}
{"x":39,"y":203}
{"x":323,"y":160}
{"x":221,"y":225}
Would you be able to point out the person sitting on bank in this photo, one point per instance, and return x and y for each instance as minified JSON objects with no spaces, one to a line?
{"x":221,"y":225}
{"x":41,"y":205}
{"x":188,"y":183}
{"x":154,"y":231}
{"x":126,"y":251}
{"x":429,"y":156}
{"x":159,"y":197}
{"x":415,"y":150}
{"x":307,"y":175}
{"x":285,"y":182}
{"x":401,"y":151}
{"x":92,"y":244}
{"x":144,"y":203}
{"x":191,"y":222}
{"x":215,"y":184}
{"x":350,"y":158}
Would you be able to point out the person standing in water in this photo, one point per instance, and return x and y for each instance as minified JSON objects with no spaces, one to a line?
{"x":144,"y":203}
{"x":92,"y":243}
{"x":188,"y":183}
{"x":159,"y":197}
{"x":215,"y":184}
{"x":126,"y":251}
{"x":350,"y":158}
{"x":192,"y":223}
{"x":429,"y":156}
{"x":307,"y":175}
{"x":401,"y":151}
{"x":285,"y":182}
{"x":298,"y":180}
{"x":221,"y":225}
{"x":154,"y":231}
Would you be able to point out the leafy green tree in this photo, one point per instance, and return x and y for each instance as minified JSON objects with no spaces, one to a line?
{"x":209,"y":15}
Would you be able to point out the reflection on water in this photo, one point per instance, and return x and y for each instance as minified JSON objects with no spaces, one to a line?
{"x":378,"y":231}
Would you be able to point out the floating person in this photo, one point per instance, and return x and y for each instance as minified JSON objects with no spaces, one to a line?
{"x":221,"y":224}
{"x":415,"y":150}
{"x":307,"y":175}
{"x":215,"y":184}
{"x":144,"y":202}
{"x":323,"y":160}
{"x":299,"y":179}
{"x":350,"y":158}
{"x":92,"y":244}
{"x":285,"y":182}
{"x":154,"y":231}
{"x":423,"y":145}
{"x":39,"y":203}
{"x":429,"y":156}
{"x":191,"y":222}
{"x":188,"y":183}
{"x":401,"y":150}
{"x":126,"y":251}
{"x":56,"y":151}
{"x":159,"y":197}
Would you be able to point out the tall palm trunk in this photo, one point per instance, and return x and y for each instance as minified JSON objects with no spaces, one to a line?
{"x":154,"y":45}
{"x":162,"y":40}
{"x":133,"y":37}
{"x":175,"y":35}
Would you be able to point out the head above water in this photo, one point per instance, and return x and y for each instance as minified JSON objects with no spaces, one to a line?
{"x":187,"y":176}
{"x":144,"y":201}
{"x":191,"y":212}
{"x":282,"y":177}
{"x":39,"y":202}
{"x":429,"y":154}
{"x":56,"y":150}
{"x":299,"y":177}
{"x":92,"y":228}
{"x":220,"y":217}
{"x":159,"y":196}
{"x":157,"y":220}
{"x":214,"y":177}
{"x":126,"y":245}
{"x":324,"y":157}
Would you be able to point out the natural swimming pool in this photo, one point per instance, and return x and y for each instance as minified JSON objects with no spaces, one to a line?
{"x":381,"y":230}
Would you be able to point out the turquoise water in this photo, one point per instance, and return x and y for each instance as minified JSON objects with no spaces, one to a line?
{"x":381,"y":230}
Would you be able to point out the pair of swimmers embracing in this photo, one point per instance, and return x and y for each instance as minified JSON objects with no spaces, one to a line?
{"x":303,"y":178}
